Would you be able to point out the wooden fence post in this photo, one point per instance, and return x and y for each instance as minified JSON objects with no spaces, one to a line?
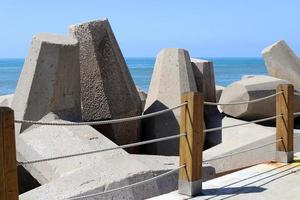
{"x":285,"y":124}
{"x":191,"y":146}
{"x":8,"y":167}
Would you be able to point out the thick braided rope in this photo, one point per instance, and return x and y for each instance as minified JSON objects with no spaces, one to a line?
{"x":113,"y":121}
{"x":296,"y":94}
{"x":244,"y":151}
{"x":129,"y":186}
{"x":103,"y":150}
{"x":242,"y":124}
{"x":242,"y":102}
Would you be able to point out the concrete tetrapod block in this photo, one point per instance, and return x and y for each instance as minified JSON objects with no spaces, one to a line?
{"x":251,"y":89}
{"x":49,"y":81}
{"x":240,"y":139}
{"x":219,"y":90}
{"x":91,"y":173}
{"x":6,"y":100}
{"x":282,"y":62}
{"x":143,"y":96}
{"x":205,"y":81}
{"x":107,"y":88}
{"x":172,"y":76}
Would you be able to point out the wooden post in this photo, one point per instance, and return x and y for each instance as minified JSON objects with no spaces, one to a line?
{"x":191,"y":146}
{"x":285,"y":124}
{"x":8,"y":167}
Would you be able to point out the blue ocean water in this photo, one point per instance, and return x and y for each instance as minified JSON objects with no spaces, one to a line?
{"x":227,"y":70}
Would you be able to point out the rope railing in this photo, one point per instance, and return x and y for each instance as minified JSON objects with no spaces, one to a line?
{"x":243,"y":151}
{"x":296,"y":93}
{"x":102,"y":150}
{"x":242,"y":102}
{"x":142,"y":143}
{"x":113,"y":121}
{"x":241,"y":124}
{"x":190,"y":153}
{"x":129,"y":186}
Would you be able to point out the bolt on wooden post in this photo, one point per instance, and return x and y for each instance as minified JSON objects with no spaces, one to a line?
{"x":285,"y":124}
{"x":8,"y":167}
{"x":191,"y":145}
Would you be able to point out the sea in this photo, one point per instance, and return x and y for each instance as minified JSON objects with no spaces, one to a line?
{"x":227,"y":70}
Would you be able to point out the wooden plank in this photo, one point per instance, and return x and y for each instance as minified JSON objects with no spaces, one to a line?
{"x":8,"y":167}
{"x":285,"y":124}
{"x":191,"y":146}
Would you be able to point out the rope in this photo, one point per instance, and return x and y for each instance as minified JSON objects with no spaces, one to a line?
{"x":242,"y":102}
{"x":103,"y":150}
{"x":129,"y":186}
{"x":241,"y":124}
{"x":239,"y":152}
{"x":113,"y":121}
{"x":296,"y":94}
{"x":297,"y":113}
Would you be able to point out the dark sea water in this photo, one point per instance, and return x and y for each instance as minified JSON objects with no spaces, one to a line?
{"x":227,"y":70}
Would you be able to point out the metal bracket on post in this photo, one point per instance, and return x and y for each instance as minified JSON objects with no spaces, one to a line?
{"x":285,"y":123}
{"x":191,"y":146}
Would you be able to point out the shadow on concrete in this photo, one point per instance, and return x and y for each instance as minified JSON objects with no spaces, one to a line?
{"x":232,"y":190}
{"x":160,"y":126}
{"x":213,"y":119}
{"x":247,"y":188}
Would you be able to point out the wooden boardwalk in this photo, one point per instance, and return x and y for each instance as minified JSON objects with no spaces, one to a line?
{"x":265,"y":181}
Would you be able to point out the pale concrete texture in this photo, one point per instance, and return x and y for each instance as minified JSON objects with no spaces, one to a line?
{"x":266,"y":181}
{"x":282,"y":62}
{"x":172,"y":76}
{"x":251,"y":89}
{"x":107,"y":89}
{"x":219,"y":90}
{"x":242,"y":138}
{"x":49,"y":81}
{"x":92,"y":173}
{"x":143,"y":96}
{"x":205,"y":78}
{"x":6,"y":100}
{"x":205,"y":81}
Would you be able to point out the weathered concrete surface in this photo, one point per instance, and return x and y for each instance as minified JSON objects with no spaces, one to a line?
{"x":205,"y":78}
{"x":91,"y":173}
{"x":250,"y":89}
{"x":6,"y":100}
{"x":265,"y":181}
{"x":164,"y":163}
{"x":142,"y":95}
{"x":107,"y":89}
{"x":282,"y":62}
{"x":219,"y":90}
{"x":239,"y":139}
{"x":172,"y":76}
{"x":205,"y":81}
{"x":49,"y":80}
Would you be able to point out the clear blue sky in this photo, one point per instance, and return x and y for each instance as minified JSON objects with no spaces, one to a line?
{"x":207,"y":28}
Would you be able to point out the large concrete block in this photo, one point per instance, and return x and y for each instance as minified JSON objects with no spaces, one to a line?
{"x":250,"y":89}
{"x":205,"y":78}
{"x":205,"y":81}
{"x":143,"y":96}
{"x":219,"y":90}
{"x":282,"y":62}
{"x":6,"y":100}
{"x":49,"y":81}
{"x":172,"y":76}
{"x":107,"y":89}
{"x":87,"y":174}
